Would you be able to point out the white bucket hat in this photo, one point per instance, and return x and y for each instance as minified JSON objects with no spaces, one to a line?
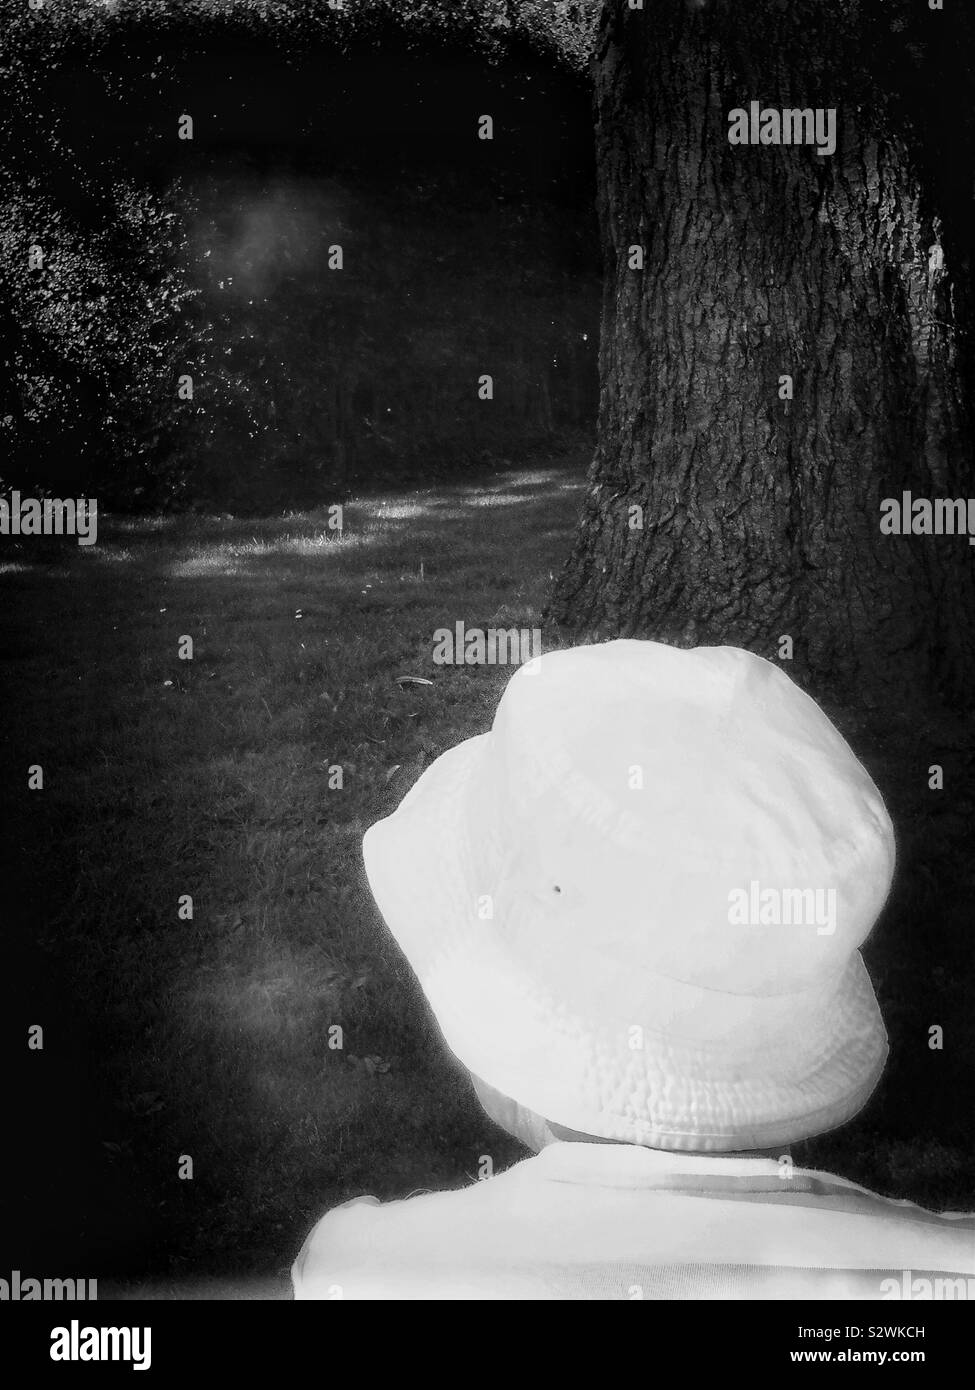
{"x":635,"y":905}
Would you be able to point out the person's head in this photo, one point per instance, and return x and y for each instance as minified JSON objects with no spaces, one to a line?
{"x":635,"y":905}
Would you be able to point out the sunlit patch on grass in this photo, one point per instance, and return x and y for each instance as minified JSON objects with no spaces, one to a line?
{"x":225,"y":557}
{"x":326,"y":541}
{"x":199,"y":566}
{"x":106,"y":554}
{"x":497,"y":499}
{"x":400,"y":511}
{"x":158,"y":524}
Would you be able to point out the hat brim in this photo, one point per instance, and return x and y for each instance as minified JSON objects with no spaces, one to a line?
{"x":674,"y":1067}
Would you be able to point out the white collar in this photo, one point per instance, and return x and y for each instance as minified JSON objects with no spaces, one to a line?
{"x":626,"y":1164}
{"x":632,"y":1165}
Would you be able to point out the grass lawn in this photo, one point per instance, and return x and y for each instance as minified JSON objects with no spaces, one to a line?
{"x":210,"y":777}
{"x":208,"y":1037}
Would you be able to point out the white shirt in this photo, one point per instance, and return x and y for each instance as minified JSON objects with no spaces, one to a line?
{"x":608,"y":1221}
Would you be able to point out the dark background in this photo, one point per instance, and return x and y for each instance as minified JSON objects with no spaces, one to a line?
{"x":461,"y":256}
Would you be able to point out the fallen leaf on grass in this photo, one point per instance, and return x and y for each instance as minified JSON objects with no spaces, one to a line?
{"x":116,"y":1151}
{"x":144,"y":1104}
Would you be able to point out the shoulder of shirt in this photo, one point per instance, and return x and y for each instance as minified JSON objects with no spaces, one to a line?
{"x":353,"y":1215}
{"x":363,"y":1233}
{"x":414,"y":1247}
{"x":902,"y":1206}
{"x":404,"y":1249}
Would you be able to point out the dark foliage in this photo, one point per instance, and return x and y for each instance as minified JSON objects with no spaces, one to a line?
{"x":131,"y":259}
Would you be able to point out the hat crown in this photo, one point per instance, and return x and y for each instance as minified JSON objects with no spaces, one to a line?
{"x":690,"y":812}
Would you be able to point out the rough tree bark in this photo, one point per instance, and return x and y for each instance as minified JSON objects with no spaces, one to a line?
{"x":761,"y":515}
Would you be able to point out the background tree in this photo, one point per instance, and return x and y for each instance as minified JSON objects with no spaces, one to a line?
{"x":848,"y":274}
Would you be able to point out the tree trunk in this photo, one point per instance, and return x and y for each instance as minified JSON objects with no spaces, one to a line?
{"x":761,"y":514}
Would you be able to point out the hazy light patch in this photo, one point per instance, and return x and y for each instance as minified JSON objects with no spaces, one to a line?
{"x":275,"y":231}
{"x":256,"y":997}
{"x":12,"y":568}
